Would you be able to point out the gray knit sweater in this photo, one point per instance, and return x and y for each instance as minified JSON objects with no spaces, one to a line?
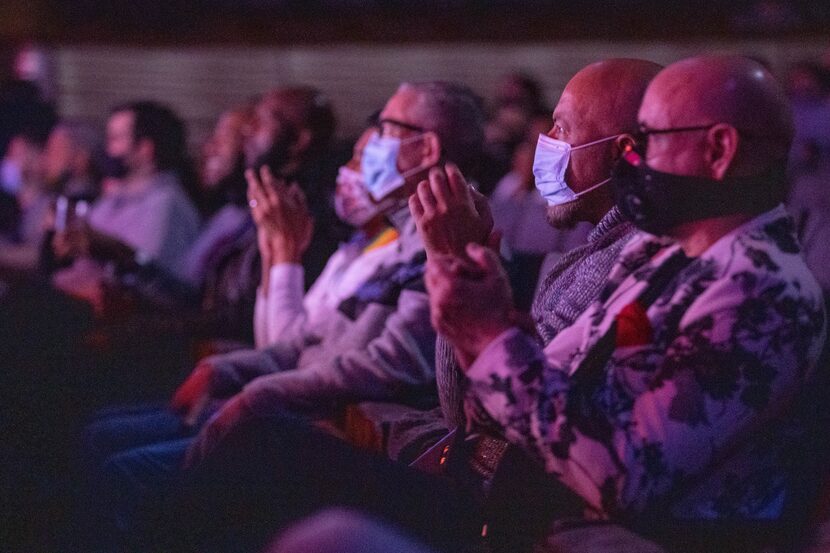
{"x":573,"y":284}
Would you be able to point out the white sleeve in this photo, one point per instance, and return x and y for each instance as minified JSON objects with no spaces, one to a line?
{"x":284,"y":309}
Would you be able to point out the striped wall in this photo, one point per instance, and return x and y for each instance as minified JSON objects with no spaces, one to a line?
{"x":200,"y":82}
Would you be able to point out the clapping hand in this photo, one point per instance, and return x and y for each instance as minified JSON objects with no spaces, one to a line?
{"x":450,"y":214}
{"x":470,"y":299}
{"x":281,"y":214}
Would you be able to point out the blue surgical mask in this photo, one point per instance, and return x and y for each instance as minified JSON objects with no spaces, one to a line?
{"x":379,"y":165}
{"x":549,"y":166}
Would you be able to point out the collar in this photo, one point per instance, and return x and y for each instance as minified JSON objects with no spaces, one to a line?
{"x":611,"y":220}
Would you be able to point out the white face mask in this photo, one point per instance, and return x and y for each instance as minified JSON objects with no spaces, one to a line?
{"x":379,"y":165}
{"x":549,"y":166}
{"x":351,"y":199}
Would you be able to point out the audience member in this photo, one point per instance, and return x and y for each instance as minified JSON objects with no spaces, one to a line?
{"x":447,"y":226}
{"x":375,"y":342}
{"x":65,"y":166}
{"x":670,"y":404}
{"x":145,"y":216}
{"x":519,"y":209}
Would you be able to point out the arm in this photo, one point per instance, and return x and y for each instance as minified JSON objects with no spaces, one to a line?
{"x":660,"y":414}
{"x":397,"y":362}
{"x":284,"y":230}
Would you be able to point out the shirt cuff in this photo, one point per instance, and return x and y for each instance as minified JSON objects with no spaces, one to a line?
{"x":286,"y":280}
{"x":511,"y":348}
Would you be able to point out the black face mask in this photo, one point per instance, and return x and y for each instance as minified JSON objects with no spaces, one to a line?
{"x":113,"y":167}
{"x":657,"y":202}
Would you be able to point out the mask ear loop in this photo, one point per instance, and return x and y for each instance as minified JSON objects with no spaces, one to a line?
{"x":601,"y":140}
{"x":601,"y":183}
{"x":419,"y":168}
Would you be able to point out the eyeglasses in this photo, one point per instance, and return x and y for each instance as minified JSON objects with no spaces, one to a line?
{"x":641,"y":136}
{"x":382,"y":123}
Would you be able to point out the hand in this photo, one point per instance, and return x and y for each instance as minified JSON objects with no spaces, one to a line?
{"x":470,"y":300}
{"x":233,"y":413}
{"x":281,"y":214}
{"x":71,"y":243}
{"x":192,"y":397}
{"x":450,"y":214}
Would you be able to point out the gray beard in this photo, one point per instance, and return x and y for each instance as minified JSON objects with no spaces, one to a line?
{"x":566,"y":216}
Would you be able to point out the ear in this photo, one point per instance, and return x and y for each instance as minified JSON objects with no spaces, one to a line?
{"x":146,"y":149}
{"x":622,"y":144}
{"x":302,"y":142}
{"x":431,"y":145}
{"x":81,"y":161}
{"x":721,"y":149}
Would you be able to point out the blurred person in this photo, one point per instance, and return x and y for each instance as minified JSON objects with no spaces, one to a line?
{"x":71,"y":160}
{"x":600,"y":101}
{"x":369,"y":337}
{"x":519,"y":99}
{"x":65,"y":166}
{"x":342,"y":531}
{"x":808,"y":86}
{"x":678,"y":403}
{"x":145,"y":217}
{"x":222,"y":160}
{"x":519,"y":211}
{"x":23,"y":179}
{"x":291,"y":133}
{"x":809,"y":203}
{"x":523,"y":90}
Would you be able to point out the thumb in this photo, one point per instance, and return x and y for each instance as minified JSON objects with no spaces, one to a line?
{"x":485,"y":258}
{"x":494,"y":240}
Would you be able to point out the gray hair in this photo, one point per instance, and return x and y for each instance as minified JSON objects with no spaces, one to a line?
{"x":456,"y":114}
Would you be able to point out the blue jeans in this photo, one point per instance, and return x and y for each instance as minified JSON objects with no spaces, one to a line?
{"x":132,"y":455}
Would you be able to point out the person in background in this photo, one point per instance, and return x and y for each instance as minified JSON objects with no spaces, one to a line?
{"x":144,"y":217}
{"x":71,"y":160}
{"x":519,"y":99}
{"x":67,"y":166}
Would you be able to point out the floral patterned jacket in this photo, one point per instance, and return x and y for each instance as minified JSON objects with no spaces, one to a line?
{"x":688,"y":412}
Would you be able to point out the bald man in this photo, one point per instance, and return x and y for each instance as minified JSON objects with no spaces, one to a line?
{"x":671,"y":398}
{"x":591,"y":127}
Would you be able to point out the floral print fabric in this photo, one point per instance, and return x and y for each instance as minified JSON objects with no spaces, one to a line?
{"x":689,"y":410}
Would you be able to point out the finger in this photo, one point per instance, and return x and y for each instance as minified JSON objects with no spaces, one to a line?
{"x":270,"y":187}
{"x":426,"y":197}
{"x":494,"y":240}
{"x":196,"y":411}
{"x":485,"y":258}
{"x":255,"y":196}
{"x":439,"y":187}
{"x":416,"y":208}
{"x":296,"y":199}
{"x":482,"y":206}
{"x":456,"y":183}
{"x":251,"y":179}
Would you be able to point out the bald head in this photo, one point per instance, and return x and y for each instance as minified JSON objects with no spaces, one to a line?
{"x":600,"y":101}
{"x":609,"y":93}
{"x":732,"y":90}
